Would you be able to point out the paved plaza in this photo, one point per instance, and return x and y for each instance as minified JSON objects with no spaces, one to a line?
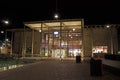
{"x":53,"y":69}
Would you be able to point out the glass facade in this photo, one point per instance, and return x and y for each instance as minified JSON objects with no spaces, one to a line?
{"x":67,"y":43}
{"x":59,"y":38}
{"x":62,"y":38}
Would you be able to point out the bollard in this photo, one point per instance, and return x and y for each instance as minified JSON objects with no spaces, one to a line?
{"x":78,"y":59}
{"x":96,"y":67}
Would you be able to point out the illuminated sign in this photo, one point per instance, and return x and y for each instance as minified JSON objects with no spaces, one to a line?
{"x":55,"y":32}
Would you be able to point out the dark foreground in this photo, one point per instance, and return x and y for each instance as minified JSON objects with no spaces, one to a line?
{"x":55,"y":70}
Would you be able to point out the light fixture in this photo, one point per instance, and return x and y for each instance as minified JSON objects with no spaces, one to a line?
{"x":69,"y":35}
{"x":2,"y":32}
{"x":107,"y":26}
{"x":56,"y":33}
{"x":6,"y":21}
{"x":76,"y":34}
{"x":40,"y":30}
{"x":56,"y":16}
{"x":73,"y":29}
{"x":7,"y":40}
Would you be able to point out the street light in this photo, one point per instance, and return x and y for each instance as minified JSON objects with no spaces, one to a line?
{"x":5,"y":22}
{"x":56,"y":16}
{"x":2,"y":31}
{"x":108,"y":26}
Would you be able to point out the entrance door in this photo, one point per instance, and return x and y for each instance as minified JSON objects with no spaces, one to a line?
{"x":59,"y":53}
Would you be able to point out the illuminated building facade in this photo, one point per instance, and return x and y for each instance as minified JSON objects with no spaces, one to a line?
{"x":63,"y":38}
{"x":56,"y":39}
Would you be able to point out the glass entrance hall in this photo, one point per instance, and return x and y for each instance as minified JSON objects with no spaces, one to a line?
{"x":59,"y":38}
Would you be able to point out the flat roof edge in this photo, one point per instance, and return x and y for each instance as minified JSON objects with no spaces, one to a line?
{"x":58,"y":20}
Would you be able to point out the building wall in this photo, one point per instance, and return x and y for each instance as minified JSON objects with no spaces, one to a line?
{"x":87,"y":42}
{"x":18,"y":42}
{"x":115,"y":41}
{"x":102,"y":36}
{"x":21,"y":41}
{"x":28,"y":42}
{"x":118,"y":38}
{"x":36,"y":49}
{"x":99,"y":36}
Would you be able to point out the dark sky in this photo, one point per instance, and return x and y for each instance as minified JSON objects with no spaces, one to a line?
{"x":93,"y":11}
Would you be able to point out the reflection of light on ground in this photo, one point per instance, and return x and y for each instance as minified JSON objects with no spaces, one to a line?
{"x":9,"y":67}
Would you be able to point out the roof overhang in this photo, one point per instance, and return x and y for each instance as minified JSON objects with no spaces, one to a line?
{"x":55,"y":24}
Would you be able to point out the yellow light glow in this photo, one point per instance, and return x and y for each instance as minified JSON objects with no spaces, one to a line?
{"x":56,"y":16}
{"x":73,"y":29}
{"x":107,"y":26}
{"x":1,"y":48}
{"x":40,"y":30}
{"x":6,"y":21}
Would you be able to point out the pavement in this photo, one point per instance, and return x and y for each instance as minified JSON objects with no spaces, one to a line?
{"x":54,"y":69}
{"x":112,"y":63}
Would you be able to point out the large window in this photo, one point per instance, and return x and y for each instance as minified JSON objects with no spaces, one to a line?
{"x":100,"y":49}
{"x":74,"y":52}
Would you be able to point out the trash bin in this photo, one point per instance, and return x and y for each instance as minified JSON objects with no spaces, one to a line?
{"x":78,"y":59}
{"x":96,"y":67}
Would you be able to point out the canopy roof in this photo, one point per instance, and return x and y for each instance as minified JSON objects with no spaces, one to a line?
{"x":55,"y":24}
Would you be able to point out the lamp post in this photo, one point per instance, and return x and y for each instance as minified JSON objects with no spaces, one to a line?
{"x":5,"y":22}
{"x":111,"y":38}
{"x":57,"y":16}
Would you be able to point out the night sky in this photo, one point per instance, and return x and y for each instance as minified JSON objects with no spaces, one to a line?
{"x":93,"y":11}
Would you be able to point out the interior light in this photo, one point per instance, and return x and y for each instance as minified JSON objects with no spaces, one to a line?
{"x":2,"y":31}
{"x":40,"y":30}
{"x":55,"y":32}
{"x":7,"y":39}
{"x":73,"y":29}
